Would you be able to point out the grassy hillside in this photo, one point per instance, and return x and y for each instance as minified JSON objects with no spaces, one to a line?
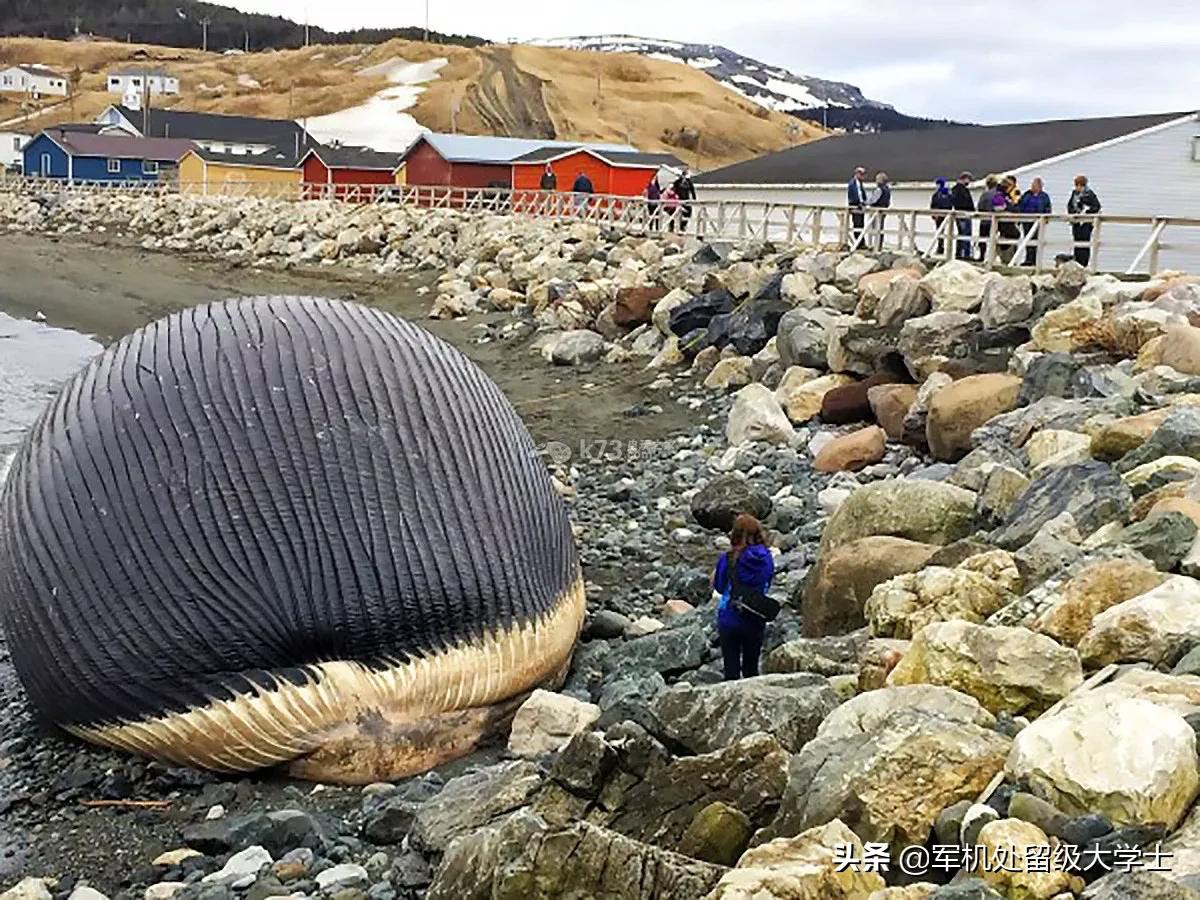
{"x":520,"y":91}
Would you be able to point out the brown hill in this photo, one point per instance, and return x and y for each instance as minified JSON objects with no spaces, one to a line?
{"x":520,"y":91}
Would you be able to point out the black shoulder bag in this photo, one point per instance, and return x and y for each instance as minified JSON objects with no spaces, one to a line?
{"x":749,"y":601}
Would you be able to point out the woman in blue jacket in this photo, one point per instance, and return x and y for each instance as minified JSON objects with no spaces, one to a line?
{"x":750,"y":562}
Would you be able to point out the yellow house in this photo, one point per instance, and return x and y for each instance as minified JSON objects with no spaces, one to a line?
{"x":204,"y":171}
{"x":401,"y":175}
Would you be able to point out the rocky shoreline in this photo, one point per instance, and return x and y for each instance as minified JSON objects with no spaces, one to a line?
{"x":982,"y":492}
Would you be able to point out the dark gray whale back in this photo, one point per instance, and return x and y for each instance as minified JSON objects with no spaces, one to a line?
{"x":244,"y":489}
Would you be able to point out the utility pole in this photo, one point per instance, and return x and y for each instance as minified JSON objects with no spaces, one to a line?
{"x":306,"y":25}
{"x":427,"y":21}
{"x":247,"y":45}
{"x":204,"y":24}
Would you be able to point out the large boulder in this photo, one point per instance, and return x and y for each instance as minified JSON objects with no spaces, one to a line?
{"x":720,"y":501}
{"x":522,"y":857}
{"x":955,"y":285}
{"x":1157,"y":626}
{"x":926,"y":342}
{"x":695,"y":314}
{"x":928,"y":511}
{"x":1067,"y":328}
{"x":1022,"y":847}
{"x":850,"y":271}
{"x":1089,"y":592}
{"x":1180,"y":349}
{"x":858,"y":347}
{"x":840,"y":583}
{"x":887,"y":762}
{"x":704,"y":718}
{"x":635,"y":305}
{"x":874,"y":287}
{"x":1129,"y":759}
{"x":903,"y":301}
{"x":890,"y":404}
{"x":804,"y":336}
{"x":902,"y":606}
{"x":1011,"y":670}
{"x":1177,"y":435}
{"x":547,"y":721}
{"x":1091,"y":492}
{"x":1005,"y":300}
{"x":473,"y":801}
{"x":757,"y":416}
{"x":1112,"y":440}
{"x":573,"y":348}
{"x":803,"y":867}
{"x":853,"y":451}
{"x":961,"y":407}
{"x":753,"y":324}
{"x":661,"y":316}
{"x":731,"y":372}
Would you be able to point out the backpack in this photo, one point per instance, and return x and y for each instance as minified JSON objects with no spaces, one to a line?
{"x":749,"y":601}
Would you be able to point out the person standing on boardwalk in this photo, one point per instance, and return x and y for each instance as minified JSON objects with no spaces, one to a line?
{"x":549,"y":180}
{"x":856,"y":199}
{"x":881,"y":199}
{"x":670,"y":205}
{"x":1035,"y":202}
{"x":962,"y":201}
{"x":940,"y":201}
{"x":581,"y":188}
{"x":1083,"y":202}
{"x":685,"y":190}
{"x":653,"y":198}
{"x":987,"y":204}
{"x":749,"y":564}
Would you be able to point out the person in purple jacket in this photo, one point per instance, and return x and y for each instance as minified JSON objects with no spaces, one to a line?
{"x":750,"y":562}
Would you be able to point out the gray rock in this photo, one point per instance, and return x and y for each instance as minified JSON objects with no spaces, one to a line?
{"x":342,"y":876}
{"x":708,"y":718}
{"x":948,"y":825}
{"x":605,"y":624}
{"x":1163,"y":539}
{"x":949,"y":333}
{"x":973,"y":821}
{"x":1190,"y":664}
{"x":278,"y":832}
{"x":803,"y":336}
{"x":669,"y":651}
{"x":1091,"y":492}
{"x":1142,"y":885}
{"x":472,"y":801}
{"x":967,"y":889}
{"x":1015,"y":427}
{"x":526,"y":858}
{"x":859,"y":347}
{"x":576,"y":347}
{"x":1048,"y":375}
{"x":630,"y":699}
{"x":719,"y":502}
{"x":241,"y":869}
{"x":1178,"y":435}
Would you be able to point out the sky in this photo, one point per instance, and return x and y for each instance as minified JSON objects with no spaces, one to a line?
{"x":972,"y":60}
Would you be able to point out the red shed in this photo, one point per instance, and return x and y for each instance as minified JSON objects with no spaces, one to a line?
{"x":622,"y":173}
{"x":347,"y":166}
{"x":473,"y":161}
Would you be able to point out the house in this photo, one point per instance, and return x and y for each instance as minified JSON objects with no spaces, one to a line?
{"x":470,"y":161}
{"x":35,"y":81}
{"x":619,"y":172}
{"x":346,"y":166}
{"x":140,"y":80}
{"x":11,"y":144}
{"x":238,"y":135}
{"x":79,"y":156}
{"x":204,"y":171}
{"x":1147,"y":165}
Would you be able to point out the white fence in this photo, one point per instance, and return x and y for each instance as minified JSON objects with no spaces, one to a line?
{"x":1127,"y":244}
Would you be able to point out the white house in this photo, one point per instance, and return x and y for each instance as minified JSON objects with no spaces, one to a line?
{"x":11,"y":144}
{"x":240,"y":135}
{"x":35,"y":81}
{"x":137,"y":81}
{"x":1138,"y":166}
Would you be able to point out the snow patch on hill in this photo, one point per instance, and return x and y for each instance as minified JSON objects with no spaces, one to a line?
{"x":770,"y":86}
{"x":381,"y":123}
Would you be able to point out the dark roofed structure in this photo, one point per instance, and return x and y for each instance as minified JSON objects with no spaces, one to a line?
{"x":80,"y":143}
{"x":274,"y":158}
{"x":356,"y":157}
{"x":921,"y":156}
{"x":198,"y":126}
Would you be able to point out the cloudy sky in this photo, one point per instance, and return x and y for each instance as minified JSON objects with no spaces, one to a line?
{"x":972,"y":60}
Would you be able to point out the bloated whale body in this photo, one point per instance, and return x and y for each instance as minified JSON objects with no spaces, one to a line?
{"x":284,"y":530}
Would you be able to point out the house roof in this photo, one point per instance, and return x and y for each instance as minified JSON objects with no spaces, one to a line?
{"x":197,"y":126}
{"x":79,"y":143}
{"x":40,"y":71}
{"x":923,"y":155}
{"x":621,"y":158}
{"x":467,"y":148}
{"x":274,"y":158}
{"x":354,"y":158}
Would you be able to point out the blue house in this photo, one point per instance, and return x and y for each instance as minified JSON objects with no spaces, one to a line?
{"x":80,"y":156}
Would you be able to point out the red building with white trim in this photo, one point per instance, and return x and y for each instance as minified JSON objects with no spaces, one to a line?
{"x":332,"y":171}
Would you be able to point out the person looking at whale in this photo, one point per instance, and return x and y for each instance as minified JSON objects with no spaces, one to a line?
{"x":748,"y":566}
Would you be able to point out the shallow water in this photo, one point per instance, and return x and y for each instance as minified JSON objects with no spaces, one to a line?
{"x":35,"y":358}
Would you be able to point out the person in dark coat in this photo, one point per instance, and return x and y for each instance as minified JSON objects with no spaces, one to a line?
{"x":581,"y":188}
{"x":962,"y":201}
{"x":750,"y":563}
{"x":1035,"y":202}
{"x":940,"y":200}
{"x":685,"y":190}
{"x":1008,"y":228}
{"x":881,"y":198}
{"x":987,"y":204}
{"x":1083,"y":202}
{"x":653,"y":199}
{"x":856,"y":199}
{"x":549,"y":180}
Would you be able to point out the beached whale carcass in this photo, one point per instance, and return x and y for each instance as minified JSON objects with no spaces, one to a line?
{"x":284,"y":530}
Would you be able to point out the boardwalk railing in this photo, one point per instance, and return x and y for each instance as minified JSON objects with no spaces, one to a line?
{"x":1115,"y":243}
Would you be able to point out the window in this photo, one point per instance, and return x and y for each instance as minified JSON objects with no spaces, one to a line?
{"x":114,"y":167}
{"x":1196,"y":148}
{"x":16,"y":143}
{"x":45,"y":170}
{"x":8,"y":79}
{"x":149,"y":167}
